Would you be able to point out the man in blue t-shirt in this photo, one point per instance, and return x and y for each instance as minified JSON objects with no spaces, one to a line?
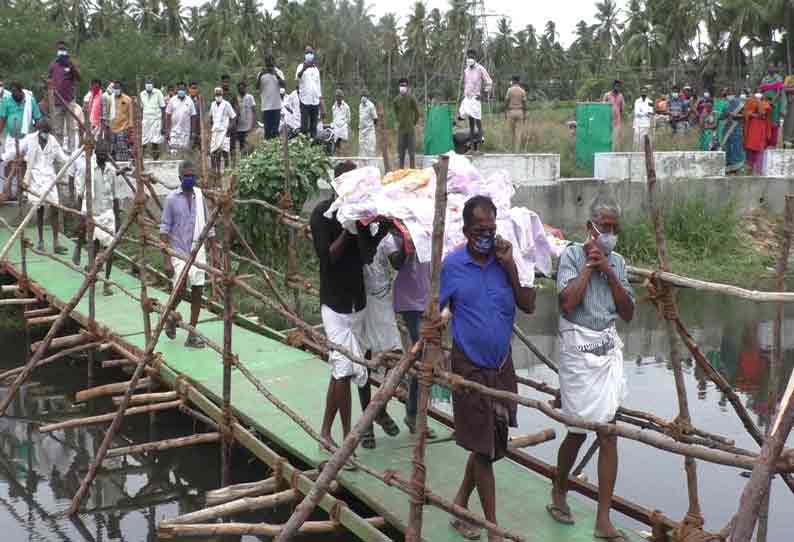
{"x":480,"y":285}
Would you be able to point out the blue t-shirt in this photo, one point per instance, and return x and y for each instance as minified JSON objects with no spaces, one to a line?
{"x":483,"y":305}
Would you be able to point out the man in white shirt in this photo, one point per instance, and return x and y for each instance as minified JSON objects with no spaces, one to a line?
{"x":153,"y":112}
{"x":179,"y":117}
{"x":41,"y":150}
{"x":222,"y":118}
{"x":643,"y":120}
{"x":310,"y":92}
{"x":247,"y":117}
{"x":341,"y":119}
{"x":290,"y":111}
{"x":367,"y":119}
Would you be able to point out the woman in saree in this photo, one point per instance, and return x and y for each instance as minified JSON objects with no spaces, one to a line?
{"x":757,"y":128}
{"x":708,"y":128}
{"x":772,"y":89}
{"x":732,"y":141}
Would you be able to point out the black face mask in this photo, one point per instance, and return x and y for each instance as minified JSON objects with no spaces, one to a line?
{"x":18,"y":98}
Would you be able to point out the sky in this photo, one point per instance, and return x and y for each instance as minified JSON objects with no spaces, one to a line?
{"x":565,"y":13}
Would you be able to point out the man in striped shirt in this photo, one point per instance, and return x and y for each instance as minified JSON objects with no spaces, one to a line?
{"x":593,"y":293}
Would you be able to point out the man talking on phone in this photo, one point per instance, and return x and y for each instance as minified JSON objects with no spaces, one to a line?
{"x":480,"y":286}
{"x":594,"y":292}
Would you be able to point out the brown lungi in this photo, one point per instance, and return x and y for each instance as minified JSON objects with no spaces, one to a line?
{"x":481,"y":423}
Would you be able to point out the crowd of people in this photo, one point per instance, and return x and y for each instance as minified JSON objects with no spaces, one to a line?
{"x":742,"y":122}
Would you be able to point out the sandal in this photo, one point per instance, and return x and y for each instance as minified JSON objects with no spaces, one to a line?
{"x":466,"y":529}
{"x":389,"y":426}
{"x":561,"y":514}
{"x":410,"y":423}
{"x":368,"y":439}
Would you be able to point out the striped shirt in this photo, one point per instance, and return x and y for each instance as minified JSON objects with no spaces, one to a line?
{"x":597,"y":310}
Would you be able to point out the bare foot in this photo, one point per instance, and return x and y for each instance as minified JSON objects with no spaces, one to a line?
{"x":607,"y":531}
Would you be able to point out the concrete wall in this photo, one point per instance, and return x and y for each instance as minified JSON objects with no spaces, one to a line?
{"x":778,"y":163}
{"x":523,"y":169}
{"x":565,"y":204}
{"x":624,"y":166}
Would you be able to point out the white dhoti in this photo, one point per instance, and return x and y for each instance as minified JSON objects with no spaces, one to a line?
{"x":639,"y":137}
{"x":152,"y":132}
{"x":180,"y":140}
{"x":592,"y":383}
{"x":38,"y":183}
{"x":195,"y":276}
{"x":366,"y":142}
{"x":470,"y":107}
{"x":107,"y":220}
{"x":8,"y":148}
{"x":380,"y":327}
{"x":219,"y":141}
{"x":345,"y":330}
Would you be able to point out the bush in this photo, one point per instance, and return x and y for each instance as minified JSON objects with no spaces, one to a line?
{"x":260,"y":175}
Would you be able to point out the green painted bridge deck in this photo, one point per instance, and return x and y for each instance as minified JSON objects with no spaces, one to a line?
{"x":300,"y":379}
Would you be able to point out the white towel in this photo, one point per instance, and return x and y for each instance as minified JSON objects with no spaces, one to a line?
{"x":27,"y":113}
{"x":198,"y":226}
{"x":112,"y":102}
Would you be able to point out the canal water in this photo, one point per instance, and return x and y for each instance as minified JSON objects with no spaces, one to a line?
{"x":40,"y":473}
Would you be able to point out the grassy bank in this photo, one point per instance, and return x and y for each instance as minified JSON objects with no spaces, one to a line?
{"x":708,"y":242}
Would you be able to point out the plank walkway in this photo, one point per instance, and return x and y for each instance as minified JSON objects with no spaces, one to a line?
{"x":300,"y":379}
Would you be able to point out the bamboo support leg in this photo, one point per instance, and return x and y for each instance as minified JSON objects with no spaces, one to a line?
{"x":694,"y":514}
{"x":228,"y":355}
{"x":432,"y":356}
{"x":139,"y":369}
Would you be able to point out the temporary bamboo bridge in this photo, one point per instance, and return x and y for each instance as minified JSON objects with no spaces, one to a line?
{"x":407,"y":481}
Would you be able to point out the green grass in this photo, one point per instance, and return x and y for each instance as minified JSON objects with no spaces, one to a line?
{"x":704,"y":241}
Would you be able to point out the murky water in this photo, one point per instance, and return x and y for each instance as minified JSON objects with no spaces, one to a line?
{"x":39,"y":473}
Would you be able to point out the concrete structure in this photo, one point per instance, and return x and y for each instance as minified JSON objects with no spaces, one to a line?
{"x":565,"y":204}
{"x":778,"y":163}
{"x":523,"y":169}
{"x":630,"y":166}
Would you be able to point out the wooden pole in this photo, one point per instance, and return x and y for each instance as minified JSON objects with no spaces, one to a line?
{"x":228,"y":355}
{"x":202,"y":438}
{"x":775,"y":365}
{"x":52,"y":358}
{"x":104,"y":418}
{"x":694,"y":514}
{"x":432,"y":354}
{"x":56,"y":326}
{"x":147,"y":398}
{"x":108,"y":389}
{"x":243,"y":504}
{"x":89,"y":233}
{"x":287,"y":205}
{"x":343,"y":453}
{"x":145,"y":358}
{"x":254,"y":529}
{"x":384,"y":138}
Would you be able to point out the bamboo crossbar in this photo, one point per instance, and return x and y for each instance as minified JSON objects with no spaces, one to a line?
{"x":168,"y":444}
{"x":146,"y":398}
{"x":108,"y":389}
{"x":104,"y":418}
{"x":254,"y":529}
{"x":525,"y":441}
{"x":242,"y":504}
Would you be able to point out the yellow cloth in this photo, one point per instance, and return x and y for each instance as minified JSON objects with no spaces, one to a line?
{"x":123,"y":119}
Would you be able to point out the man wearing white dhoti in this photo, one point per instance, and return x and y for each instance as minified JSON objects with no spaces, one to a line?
{"x":180,"y":117}
{"x":340,"y":125}
{"x":222,"y":117}
{"x":103,"y":191}
{"x":476,"y":84}
{"x":184,"y":218}
{"x":367,"y":119}
{"x":40,"y":151}
{"x":153,"y":112}
{"x":594,"y":293}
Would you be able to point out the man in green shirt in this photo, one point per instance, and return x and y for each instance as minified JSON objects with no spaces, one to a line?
{"x":19,"y":113}
{"x":406,"y":111}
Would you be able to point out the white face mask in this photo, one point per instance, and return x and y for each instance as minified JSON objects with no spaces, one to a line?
{"x":470,"y":62}
{"x":62,"y":52}
{"x":117,"y":92}
{"x":218,"y":99}
{"x":706,"y":95}
{"x":758,"y":95}
{"x":364,"y":99}
{"x":403,"y":90}
{"x":148,"y":87}
{"x":743,"y":95}
{"x":607,"y":241}
{"x":309,"y":57}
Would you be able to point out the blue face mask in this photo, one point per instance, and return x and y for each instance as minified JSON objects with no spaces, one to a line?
{"x":181,"y":93}
{"x":188,"y":182}
{"x":484,"y":243}
{"x":606,"y":241}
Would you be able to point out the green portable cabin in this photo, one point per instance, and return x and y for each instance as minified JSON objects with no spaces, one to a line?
{"x":593,"y":132}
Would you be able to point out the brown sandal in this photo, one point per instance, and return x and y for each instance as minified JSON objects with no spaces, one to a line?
{"x":466,"y":529}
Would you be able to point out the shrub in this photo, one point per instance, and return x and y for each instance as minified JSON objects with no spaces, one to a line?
{"x":260,"y":175}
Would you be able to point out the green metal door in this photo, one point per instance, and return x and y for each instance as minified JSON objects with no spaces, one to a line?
{"x":593,"y":132}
